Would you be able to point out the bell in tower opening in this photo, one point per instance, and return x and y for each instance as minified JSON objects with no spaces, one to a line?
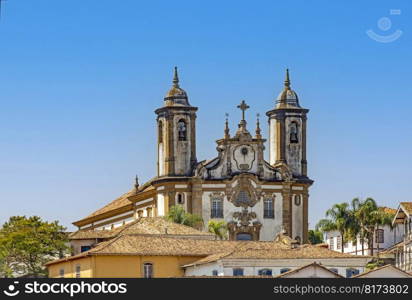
{"x":176,"y":133}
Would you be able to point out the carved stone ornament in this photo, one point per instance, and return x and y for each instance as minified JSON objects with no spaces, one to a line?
{"x":285,"y":171}
{"x":217,"y":195}
{"x":242,"y":224}
{"x":244,"y":194}
{"x":244,"y":156}
{"x":244,"y":217}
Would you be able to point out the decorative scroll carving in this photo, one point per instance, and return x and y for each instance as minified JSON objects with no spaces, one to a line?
{"x":242,"y":223}
{"x":244,"y":194}
{"x":285,"y":171}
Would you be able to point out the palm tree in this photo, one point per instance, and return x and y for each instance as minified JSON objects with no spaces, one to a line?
{"x":177,"y":214}
{"x":354,"y":228}
{"x":219,"y":228}
{"x":363,"y":212}
{"x":338,"y":219}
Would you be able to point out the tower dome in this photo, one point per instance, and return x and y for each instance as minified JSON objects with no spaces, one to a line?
{"x":288,"y":97}
{"x":176,"y":95}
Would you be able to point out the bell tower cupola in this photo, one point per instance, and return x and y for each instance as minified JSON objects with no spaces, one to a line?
{"x":176,"y":133}
{"x":287,"y":131}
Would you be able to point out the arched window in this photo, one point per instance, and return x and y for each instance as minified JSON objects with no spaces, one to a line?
{"x":160,"y":132}
{"x":265,"y":272}
{"x":147,"y":270}
{"x":243,"y":237}
{"x":216,"y":210}
{"x":180,"y":199}
{"x":298,"y":200}
{"x":182,"y":130}
{"x":293,"y":133}
{"x":268,"y":211}
{"x":284,"y":270}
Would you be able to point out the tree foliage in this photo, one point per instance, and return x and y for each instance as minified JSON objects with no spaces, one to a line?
{"x":315,"y":237}
{"x":361,"y":219}
{"x":218,"y":228}
{"x":177,"y":214}
{"x":26,"y":244}
{"x":338,"y":218}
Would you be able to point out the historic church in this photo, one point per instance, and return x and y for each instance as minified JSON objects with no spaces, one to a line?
{"x":258,"y":199}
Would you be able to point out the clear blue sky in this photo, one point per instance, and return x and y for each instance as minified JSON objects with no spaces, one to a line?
{"x":80,"y":80}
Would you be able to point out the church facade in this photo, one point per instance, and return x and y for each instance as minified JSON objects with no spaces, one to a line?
{"x":258,"y":199}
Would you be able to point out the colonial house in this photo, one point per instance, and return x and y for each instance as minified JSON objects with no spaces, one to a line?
{"x":403,"y":249}
{"x":252,"y":261}
{"x":86,"y":239}
{"x":385,"y":237}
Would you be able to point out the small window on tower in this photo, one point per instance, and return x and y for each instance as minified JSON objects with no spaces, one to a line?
{"x":180,"y":199}
{"x":182,"y":130}
{"x":294,"y":132}
{"x":298,"y":200}
{"x":160,"y":133}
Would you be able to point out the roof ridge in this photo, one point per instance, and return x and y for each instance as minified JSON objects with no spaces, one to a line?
{"x":104,"y":244}
{"x":314,"y":263}
{"x":383,"y":267}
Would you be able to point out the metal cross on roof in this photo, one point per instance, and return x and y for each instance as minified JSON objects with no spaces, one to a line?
{"x":243,"y":107}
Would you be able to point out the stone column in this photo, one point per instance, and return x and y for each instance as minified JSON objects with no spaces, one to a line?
{"x":280,"y":136}
{"x":193,"y":158}
{"x":287,"y":209}
{"x":304,"y":162}
{"x":169,"y":146}
{"x":197,"y":196}
{"x":305,"y":217}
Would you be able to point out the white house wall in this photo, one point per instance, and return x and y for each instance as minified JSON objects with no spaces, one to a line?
{"x":251,"y":267}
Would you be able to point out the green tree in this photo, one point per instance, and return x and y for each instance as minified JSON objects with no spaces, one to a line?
{"x":177,"y":214}
{"x":26,"y":244}
{"x":217,"y":227}
{"x":364,"y":214}
{"x":5,"y":270}
{"x":354,"y":226}
{"x":338,"y":218}
{"x":315,"y":237}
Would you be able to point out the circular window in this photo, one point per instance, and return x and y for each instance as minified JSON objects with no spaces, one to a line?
{"x":244,"y":151}
{"x":298,"y":200}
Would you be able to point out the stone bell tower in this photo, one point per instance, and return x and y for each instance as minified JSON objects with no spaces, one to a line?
{"x":287,"y":131}
{"x":176,"y":133}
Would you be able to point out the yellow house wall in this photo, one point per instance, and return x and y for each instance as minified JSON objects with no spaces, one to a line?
{"x":69,"y":267}
{"x":132,"y":266}
{"x":122,"y":266}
